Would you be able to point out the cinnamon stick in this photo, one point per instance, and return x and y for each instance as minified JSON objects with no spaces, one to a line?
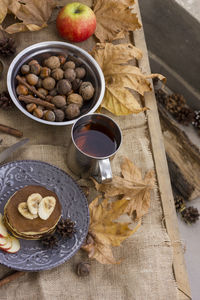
{"x":11,"y":277}
{"x":38,"y":101}
{"x":11,"y":131}
{"x":31,"y":88}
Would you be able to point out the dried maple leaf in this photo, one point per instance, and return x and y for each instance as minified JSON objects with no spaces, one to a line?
{"x":132,"y":186}
{"x":105,"y":231}
{"x":33,"y":14}
{"x":114,"y":19}
{"x":119,"y":76}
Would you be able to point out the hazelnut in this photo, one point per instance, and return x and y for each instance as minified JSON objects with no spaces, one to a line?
{"x":70,"y":74}
{"x":52,"y":62}
{"x":76,"y":84}
{"x":86,"y":90}
{"x":59,"y":114}
{"x":43,"y":92}
{"x":57,"y":74}
{"x":76,"y":99}
{"x":38,"y":113}
{"x":25,"y":69}
{"x":59,"y":101}
{"x":72,"y":111}
{"x":35,"y":69}
{"x":49,"y":98}
{"x":39,"y":83}
{"x":80,"y":72}
{"x":45,"y":72}
{"x":33,"y":62}
{"x":53,"y":92}
{"x":31,"y":107}
{"x":69,"y":65}
{"x":76,"y":60}
{"x":49,"y":83}
{"x":21,"y":90}
{"x":32,"y":79}
{"x":49,"y":116}
{"x":63,"y":86}
{"x":62,"y":59}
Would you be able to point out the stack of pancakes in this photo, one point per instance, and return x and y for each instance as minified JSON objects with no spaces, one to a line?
{"x":26,"y":228}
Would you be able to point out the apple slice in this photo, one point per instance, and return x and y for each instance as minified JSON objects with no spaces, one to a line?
{"x":15,"y":245}
{"x":3,"y":230}
{"x":7,"y":245}
{"x":3,"y":240}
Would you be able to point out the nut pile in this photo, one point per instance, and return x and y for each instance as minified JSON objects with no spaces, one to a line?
{"x":61,"y":81}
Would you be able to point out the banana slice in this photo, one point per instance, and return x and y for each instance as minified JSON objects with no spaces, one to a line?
{"x":46,"y":207}
{"x":24,"y":211}
{"x":33,"y":202}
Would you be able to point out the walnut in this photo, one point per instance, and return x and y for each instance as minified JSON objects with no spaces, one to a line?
{"x":53,"y":92}
{"x":76,"y":99}
{"x":72,"y":111}
{"x":76,"y":84}
{"x":86,"y":90}
{"x":52,"y":62}
{"x":70,"y":74}
{"x":80,"y":72}
{"x":69,"y":65}
{"x":59,"y":115}
{"x":42,"y":91}
{"x":63,"y":86}
{"x":32,"y":79}
{"x":25,"y":69}
{"x":49,"y":83}
{"x":49,"y":115}
{"x":57,"y":74}
{"x":59,"y":101}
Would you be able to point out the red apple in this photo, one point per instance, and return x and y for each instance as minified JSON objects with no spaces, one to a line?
{"x":3,"y":230}
{"x":76,"y":22}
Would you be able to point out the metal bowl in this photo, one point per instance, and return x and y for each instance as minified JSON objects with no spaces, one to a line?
{"x":40,"y":51}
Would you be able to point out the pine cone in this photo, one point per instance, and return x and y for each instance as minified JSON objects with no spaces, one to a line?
{"x":65,"y":228}
{"x":49,"y":241}
{"x":5,"y":100}
{"x":7,"y":47}
{"x":179,"y":202}
{"x":190,"y":214}
{"x":196,"y":121}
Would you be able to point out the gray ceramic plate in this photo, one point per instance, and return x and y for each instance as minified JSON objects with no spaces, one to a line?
{"x":33,"y":256}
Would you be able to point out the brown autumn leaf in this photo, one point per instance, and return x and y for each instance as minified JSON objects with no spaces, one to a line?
{"x":105,"y":231}
{"x":131,"y":186}
{"x":33,"y":14}
{"x":114,"y":19}
{"x":121,"y":76}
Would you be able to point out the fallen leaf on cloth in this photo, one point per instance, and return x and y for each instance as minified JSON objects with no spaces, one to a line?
{"x":114,"y":19}
{"x":132,"y":187}
{"x":105,"y":231}
{"x":33,"y":14}
{"x":121,"y":76}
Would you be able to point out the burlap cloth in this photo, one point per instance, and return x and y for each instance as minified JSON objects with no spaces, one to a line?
{"x":146,"y":268}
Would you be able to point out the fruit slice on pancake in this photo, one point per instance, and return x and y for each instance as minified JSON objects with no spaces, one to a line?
{"x":24,"y":211}
{"x":33,"y":202}
{"x":46,"y":207}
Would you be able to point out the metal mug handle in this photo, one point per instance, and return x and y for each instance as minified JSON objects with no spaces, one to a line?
{"x":104,"y":171}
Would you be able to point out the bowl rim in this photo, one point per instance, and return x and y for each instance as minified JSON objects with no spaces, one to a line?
{"x":50,"y":43}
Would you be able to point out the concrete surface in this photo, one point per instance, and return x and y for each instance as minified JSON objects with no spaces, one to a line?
{"x":172,"y":32}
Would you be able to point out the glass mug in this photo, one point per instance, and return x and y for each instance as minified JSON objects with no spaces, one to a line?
{"x":95,"y":139}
